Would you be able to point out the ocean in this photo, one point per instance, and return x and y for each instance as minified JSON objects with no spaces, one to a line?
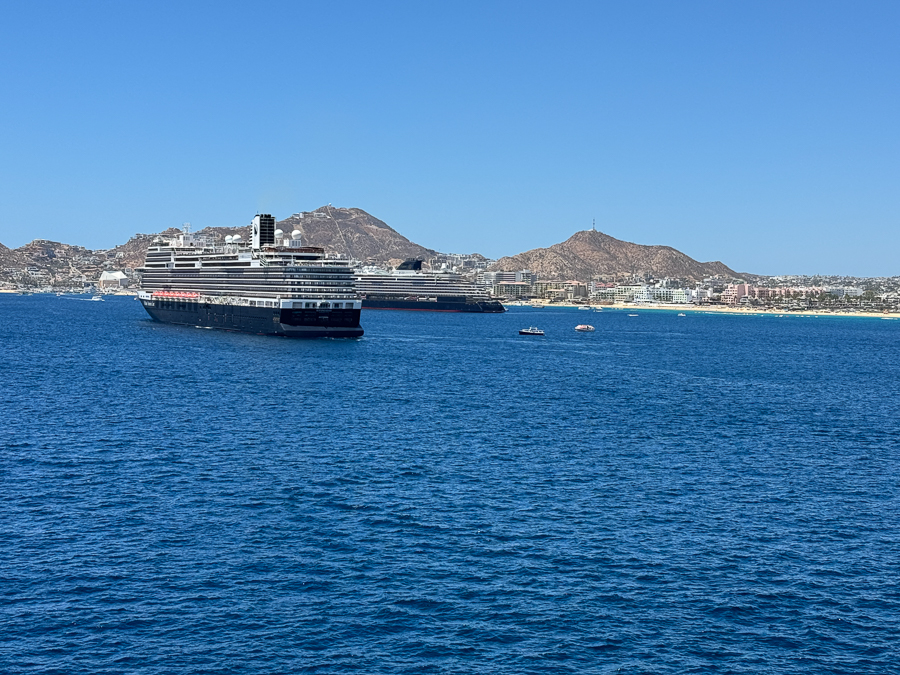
{"x":698,"y":494}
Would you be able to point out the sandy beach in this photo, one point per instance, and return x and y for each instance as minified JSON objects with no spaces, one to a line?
{"x":716,"y":309}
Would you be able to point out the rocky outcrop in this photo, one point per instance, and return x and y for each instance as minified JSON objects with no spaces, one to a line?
{"x":359,"y":235}
{"x":353,"y":233}
{"x":45,"y":262}
{"x":589,"y":254}
{"x":347,"y":232}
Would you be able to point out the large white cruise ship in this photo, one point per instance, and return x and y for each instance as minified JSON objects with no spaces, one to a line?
{"x":408,"y":287}
{"x":273,"y":285}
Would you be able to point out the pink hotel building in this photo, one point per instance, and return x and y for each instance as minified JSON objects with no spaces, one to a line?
{"x":733,"y":294}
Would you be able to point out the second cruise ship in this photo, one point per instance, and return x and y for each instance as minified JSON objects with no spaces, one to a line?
{"x":408,"y":287}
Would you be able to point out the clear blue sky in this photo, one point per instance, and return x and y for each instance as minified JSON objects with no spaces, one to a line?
{"x":762,"y":134}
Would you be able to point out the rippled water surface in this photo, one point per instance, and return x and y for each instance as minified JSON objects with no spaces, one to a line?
{"x":664,"y":495}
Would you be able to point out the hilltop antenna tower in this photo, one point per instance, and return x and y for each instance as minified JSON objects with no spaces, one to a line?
{"x":594,"y":224}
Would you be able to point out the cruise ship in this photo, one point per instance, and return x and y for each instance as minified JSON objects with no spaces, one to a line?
{"x":408,"y":287}
{"x":272,"y":285}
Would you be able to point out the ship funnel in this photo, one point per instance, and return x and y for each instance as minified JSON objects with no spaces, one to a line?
{"x":263,"y":228}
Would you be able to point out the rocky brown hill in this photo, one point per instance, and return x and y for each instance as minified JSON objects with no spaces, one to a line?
{"x":347,"y":232}
{"x":354,"y":233}
{"x":359,"y":235}
{"x":44,"y":263}
{"x":131,"y":254}
{"x":589,"y":254}
{"x":8,"y":257}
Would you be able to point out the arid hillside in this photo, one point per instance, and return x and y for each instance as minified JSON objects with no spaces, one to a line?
{"x":588,"y":254}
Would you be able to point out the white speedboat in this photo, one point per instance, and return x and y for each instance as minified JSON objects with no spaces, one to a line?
{"x":531,"y":331}
{"x":584,"y":328}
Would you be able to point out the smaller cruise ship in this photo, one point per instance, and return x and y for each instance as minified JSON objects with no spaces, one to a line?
{"x":408,"y":287}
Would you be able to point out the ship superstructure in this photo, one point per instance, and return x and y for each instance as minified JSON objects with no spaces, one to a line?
{"x":408,"y":287}
{"x":271,"y":285}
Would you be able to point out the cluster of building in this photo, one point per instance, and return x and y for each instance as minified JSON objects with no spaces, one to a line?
{"x":44,"y":265}
{"x":748,"y":294}
{"x":525,"y":285}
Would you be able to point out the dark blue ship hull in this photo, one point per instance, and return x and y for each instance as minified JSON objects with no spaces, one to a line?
{"x":304,"y":323}
{"x":442,"y":305}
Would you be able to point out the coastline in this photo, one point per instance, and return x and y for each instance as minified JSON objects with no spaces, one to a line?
{"x":715,"y":309}
{"x":13,"y":291}
{"x":655,"y":307}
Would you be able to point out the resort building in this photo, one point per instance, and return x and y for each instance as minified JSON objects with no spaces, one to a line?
{"x":113,"y":280}
{"x":513,"y":289}
{"x":734,"y":293}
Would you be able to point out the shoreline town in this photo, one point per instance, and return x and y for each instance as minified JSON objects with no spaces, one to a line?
{"x":710,"y":309}
{"x":426,"y":280}
{"x":631,"y":307}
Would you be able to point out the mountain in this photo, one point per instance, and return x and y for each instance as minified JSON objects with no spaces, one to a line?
{"x":132,"y":252}
{"x":44,"y":262}
{"x":7,"y":255}
{"x":354,"y":233}
{"x":588,"y":254}
{"x":359,"y":235}
{"x":346,"y":232}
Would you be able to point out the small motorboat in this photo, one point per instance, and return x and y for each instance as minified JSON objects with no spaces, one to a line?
{"x":584,"y":328}
{"x":537,"y":307}
{"x":531,"y":331}
{"x":681,"y":314}
{"x":587,"y":307}
{"x":632,"y":315}
{"x":96,"y":298}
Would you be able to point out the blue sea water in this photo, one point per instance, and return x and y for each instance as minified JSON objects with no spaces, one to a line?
{"x":699,"y":494}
